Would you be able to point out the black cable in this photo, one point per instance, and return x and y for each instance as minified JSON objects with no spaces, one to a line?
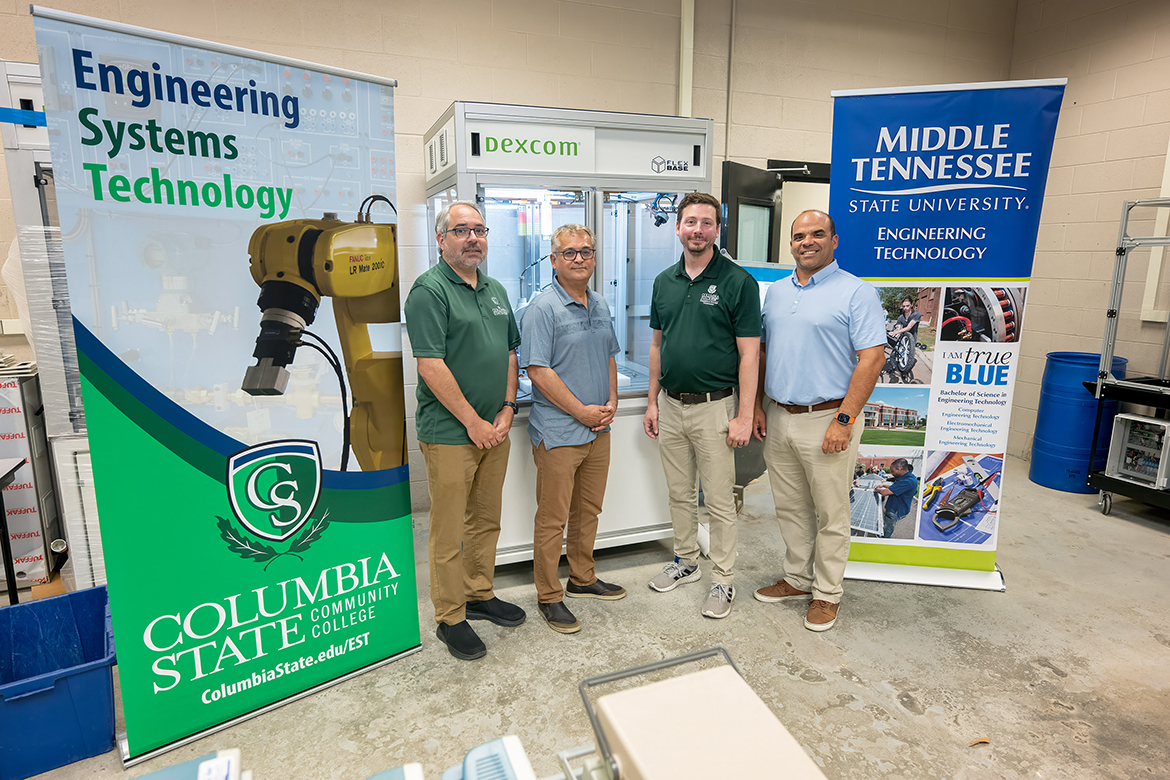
{"x":331,"y":358}
{"x":533,"y":264}
{"x":372,"y":199}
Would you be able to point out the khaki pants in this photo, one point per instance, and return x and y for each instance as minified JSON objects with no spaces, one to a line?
{"x":570,"y":486}
{"x":465,"y":485}
{"x":692,"y":439}
{"x":811,"y":493}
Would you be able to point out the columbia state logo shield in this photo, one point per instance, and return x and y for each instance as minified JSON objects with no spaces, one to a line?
{"x":274,"y":487}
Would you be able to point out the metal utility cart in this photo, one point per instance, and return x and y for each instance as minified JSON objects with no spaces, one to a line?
{"x":1151,"y":391}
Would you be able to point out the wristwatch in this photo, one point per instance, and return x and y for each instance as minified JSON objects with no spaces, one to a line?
{"x":515,"y":408}
{"x":845,"y":419}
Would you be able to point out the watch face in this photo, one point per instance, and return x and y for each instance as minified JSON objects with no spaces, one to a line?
{"x":844,"y":419}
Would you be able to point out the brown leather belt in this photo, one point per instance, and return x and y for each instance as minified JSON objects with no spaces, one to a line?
{"x":700,"y":398}
{"x":823,"y":405}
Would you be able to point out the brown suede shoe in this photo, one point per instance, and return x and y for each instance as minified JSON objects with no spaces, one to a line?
{"x":821,"y":615}
{"x":778,"y":592}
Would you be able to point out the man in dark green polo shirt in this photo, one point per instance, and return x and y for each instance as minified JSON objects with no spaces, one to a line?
{"x":704,"y":353}
{"x":464,"y":336}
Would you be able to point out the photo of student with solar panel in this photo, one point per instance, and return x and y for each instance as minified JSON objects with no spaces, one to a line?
{"x":883,"y":502}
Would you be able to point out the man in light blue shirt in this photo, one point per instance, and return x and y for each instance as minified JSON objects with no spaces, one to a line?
{"x":823,"y":346}
{"x":567,"y":344}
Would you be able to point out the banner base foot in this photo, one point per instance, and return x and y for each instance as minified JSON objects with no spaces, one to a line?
{"x":123,"y":743}
{"x":926,"y":575}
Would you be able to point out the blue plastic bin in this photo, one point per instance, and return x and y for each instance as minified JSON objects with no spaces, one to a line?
{"x":56,"y":682}
{"x":1064,"y":422}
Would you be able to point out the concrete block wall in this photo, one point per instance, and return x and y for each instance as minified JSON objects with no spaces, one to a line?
{"x":1111,"y":146}
{"x":788,"y":54}
{"x":619,"y":55}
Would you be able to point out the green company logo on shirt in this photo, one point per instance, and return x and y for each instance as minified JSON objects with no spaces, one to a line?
{"x":711,"y":298}
{"x":273,"y":489}
{"x":499,"y":311}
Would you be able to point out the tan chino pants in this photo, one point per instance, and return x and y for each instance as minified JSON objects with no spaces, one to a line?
{"x":811,"y":493}
{"x":465,"y":485}
{"x":692,"y":440}
{"x":570,"y":486}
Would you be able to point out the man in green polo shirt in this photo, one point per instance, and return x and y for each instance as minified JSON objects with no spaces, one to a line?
{"x":704,"y":353}
{"x":464,"y":336}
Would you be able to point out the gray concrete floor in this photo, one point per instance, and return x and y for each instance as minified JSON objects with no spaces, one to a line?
{"x":1067,"y":673}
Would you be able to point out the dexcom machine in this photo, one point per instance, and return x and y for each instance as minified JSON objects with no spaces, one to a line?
{"x":622,"y":175}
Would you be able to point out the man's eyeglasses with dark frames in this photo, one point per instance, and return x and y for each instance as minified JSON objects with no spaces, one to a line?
{"x":464,"y":232}
{"x":571,"y":254}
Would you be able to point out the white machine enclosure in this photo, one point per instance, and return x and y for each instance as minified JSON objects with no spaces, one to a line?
{"x":533,"y":169}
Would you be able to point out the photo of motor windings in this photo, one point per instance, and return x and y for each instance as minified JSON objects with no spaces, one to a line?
{"x":983,"y":314}
{"x":298,"y":262}
{"x":883,"y":498}
{"x":960,"y":497}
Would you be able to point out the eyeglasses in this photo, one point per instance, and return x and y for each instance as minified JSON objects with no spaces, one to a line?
{"x":464,"y":232}
{"x":571,"y":254}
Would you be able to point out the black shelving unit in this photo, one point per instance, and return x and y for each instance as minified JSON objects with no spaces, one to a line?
{"x":1151,"y":391}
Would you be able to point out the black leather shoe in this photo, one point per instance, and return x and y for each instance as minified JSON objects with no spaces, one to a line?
{"x":598,"y":590}
{"x":499,"y":612}
{"x":559,"y":618}
{"x":461,"y":641}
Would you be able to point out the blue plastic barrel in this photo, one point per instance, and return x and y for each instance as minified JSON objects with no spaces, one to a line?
{"x":1065,"y":420}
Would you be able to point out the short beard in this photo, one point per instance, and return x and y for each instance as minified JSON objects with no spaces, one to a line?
{"x":470,"y":266}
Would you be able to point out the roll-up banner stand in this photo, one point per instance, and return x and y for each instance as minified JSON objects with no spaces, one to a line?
{"x":237,"y":326}
{"x":936,"y":193}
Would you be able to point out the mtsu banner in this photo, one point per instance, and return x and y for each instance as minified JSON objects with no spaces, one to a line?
{"x":237,"y":334}
{"x":937,"y":194}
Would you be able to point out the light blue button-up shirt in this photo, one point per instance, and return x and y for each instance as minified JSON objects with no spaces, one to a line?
{"x":813,"y":333}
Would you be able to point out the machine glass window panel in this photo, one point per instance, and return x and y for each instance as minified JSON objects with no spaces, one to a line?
{"x":521,"y":222}
{"x":638,"y":242}
{"x":435,"y":204}
{"x":755,"y":226}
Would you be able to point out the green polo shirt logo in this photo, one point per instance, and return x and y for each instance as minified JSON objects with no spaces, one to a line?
{"x":473,"y":330}
{"x":700,"y":320}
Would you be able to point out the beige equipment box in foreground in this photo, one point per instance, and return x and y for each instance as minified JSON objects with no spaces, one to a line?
{"x":743,"y":739}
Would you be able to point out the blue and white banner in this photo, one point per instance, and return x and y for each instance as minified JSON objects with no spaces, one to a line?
{"x":937,"y":194}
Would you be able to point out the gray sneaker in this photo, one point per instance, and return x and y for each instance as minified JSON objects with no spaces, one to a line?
{"x":675,"y":574}
{"x":718,"y":604}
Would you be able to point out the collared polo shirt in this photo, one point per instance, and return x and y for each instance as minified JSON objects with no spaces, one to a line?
{"x":473,"y":330}
{"x":813,"y":333}
{"x":904,"y":489}
{"x":700,"y":319}
{"x":575,"y":342}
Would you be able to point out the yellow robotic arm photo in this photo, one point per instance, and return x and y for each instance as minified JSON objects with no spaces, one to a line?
{"x":298,"y":262}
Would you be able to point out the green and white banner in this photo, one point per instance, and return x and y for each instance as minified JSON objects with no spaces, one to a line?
{"x":219,"y":262}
